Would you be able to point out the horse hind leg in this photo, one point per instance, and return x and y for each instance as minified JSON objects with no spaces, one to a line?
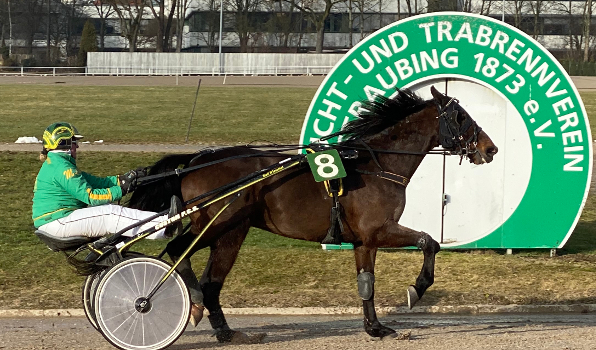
{"x":426,"y":278}
{"x":175,"y":248}
{"x":221,"y":260}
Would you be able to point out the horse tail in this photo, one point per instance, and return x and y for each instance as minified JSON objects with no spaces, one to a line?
{"x":155,"y":195}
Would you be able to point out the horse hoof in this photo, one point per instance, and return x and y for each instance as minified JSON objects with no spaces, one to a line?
{"x":412,"y":297}
{"x":196,"y":314}
{"x":225,"y":335}
{"x":378,"y":331}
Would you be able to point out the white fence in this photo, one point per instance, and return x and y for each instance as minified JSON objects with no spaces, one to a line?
{"x":178,"y":64}
{"x":163,"y":71}
{"x":42,"y":71}
{"x":151,"y":63}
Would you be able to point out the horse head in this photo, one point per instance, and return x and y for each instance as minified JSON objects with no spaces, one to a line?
{"x":459,"y":133}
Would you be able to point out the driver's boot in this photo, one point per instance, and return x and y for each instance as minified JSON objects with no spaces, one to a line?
{"x":176,"y":207}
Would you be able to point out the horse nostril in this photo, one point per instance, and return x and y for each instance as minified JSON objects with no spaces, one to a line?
{"x":492,"y":150}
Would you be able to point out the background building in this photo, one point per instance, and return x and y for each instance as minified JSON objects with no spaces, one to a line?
{"x":49,"y":31}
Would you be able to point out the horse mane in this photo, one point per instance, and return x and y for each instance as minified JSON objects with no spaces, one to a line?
{"x":156,"y":196}
{"x":379,"y":114}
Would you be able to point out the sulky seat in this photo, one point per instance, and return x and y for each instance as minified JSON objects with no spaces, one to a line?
{"x":59,"y":244}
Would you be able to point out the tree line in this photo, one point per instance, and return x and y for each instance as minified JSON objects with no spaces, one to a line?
{"x":57,"y":25}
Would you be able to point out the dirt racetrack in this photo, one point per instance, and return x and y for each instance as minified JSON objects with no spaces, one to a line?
{"x":582,"y":83}
{"x":293,"y":81}
{"x":428,"y":332}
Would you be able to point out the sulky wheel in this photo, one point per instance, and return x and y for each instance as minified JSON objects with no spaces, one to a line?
{"x":88,"y":294}
{"x":127,"y":319}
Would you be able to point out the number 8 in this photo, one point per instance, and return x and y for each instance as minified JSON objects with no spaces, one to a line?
{"x":326,"y":161}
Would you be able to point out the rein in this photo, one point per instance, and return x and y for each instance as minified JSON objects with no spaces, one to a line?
{"x":146,"y":180}
{"x":450,"y":131}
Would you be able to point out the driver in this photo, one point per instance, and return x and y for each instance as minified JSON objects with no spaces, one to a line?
{"x":68,"y":202}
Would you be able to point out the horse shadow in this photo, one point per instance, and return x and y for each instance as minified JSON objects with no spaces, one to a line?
{"x":277,"y":332}
{"x":418,"y":327}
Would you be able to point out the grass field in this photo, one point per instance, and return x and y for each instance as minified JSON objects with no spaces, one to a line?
{"x":31,"y":276}
{"x":119,"y":114}
{"x":140,"y":114}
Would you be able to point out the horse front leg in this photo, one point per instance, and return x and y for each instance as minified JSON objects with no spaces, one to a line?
{"x":365,"y":268}
{"x":396,"y":236}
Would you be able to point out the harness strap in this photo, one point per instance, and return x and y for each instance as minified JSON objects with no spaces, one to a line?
{"x":336,"y":229}
{"x":385,"y":175}
{"x":372,"y":154}
{"x":330,"y":187}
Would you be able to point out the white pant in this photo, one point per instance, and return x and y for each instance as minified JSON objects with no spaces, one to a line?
{"x":101,"y":220}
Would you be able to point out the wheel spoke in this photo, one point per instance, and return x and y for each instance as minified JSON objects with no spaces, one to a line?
{"x":157,"y":327}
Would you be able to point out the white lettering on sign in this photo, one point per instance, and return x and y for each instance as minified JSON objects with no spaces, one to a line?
{"x":539,"y":132}
{"x":381,"y":49}
{"x":514,"y":64}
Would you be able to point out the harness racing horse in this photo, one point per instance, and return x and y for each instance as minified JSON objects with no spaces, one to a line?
{"x":393,"y":136}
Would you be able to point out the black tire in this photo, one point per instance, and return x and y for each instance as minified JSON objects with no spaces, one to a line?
{"x":88,"y":294}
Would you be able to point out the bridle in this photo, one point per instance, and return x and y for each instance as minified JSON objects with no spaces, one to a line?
{"x":451,"y":132}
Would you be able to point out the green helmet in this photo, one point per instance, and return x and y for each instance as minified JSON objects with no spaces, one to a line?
{"x":59,"y":136}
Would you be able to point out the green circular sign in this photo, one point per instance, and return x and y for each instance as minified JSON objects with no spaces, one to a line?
{"x":498,"y":57}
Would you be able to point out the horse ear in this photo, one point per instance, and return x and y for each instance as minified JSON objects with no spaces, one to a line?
{"x":436,"y":94}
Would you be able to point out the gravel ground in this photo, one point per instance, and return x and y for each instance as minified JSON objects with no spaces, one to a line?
{"x":582,"y":83}
{"x":334,"y":332}
{"x":293,"y":81}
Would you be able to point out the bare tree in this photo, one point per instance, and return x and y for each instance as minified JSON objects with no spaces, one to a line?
{"x":587,"y":23}
{"x":74,"y":20}
{"x":409,"y":6}
{"x":566,"y":7}
{"x":104,"y":11}
{"x":130,"y":13}
{"x":284,"y":24}
{"x":164,"y":23}
{"x":485,"y":7}
{"x":29,"y":14}
{"x":180,"y":17}
{"x":317,"y":11}
{"x":467,"y":6}
{"x":365,"y":10}
{"x":209,"y":24}
{"x":244,"y":17}
{"x":4,"y":22}
{"x":517,"y":10}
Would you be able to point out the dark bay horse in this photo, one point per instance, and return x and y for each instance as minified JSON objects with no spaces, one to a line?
{"x":393,"y":136}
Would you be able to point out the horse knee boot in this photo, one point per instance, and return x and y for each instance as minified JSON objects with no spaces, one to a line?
{"x":366,"y":285}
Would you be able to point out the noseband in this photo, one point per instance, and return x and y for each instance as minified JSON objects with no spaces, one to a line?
{"x":451,"y":132}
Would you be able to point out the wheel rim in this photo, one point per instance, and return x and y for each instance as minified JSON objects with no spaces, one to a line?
{"x":88,"y":296}
{"x":117,"y":300}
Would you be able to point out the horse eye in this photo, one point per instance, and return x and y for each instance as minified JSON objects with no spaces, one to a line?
{"x":393,"y":137}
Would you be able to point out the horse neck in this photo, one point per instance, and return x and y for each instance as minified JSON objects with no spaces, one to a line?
{"x":418,"y":133}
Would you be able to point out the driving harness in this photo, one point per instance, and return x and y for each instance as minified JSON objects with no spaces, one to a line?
{"x":451,"y":138}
